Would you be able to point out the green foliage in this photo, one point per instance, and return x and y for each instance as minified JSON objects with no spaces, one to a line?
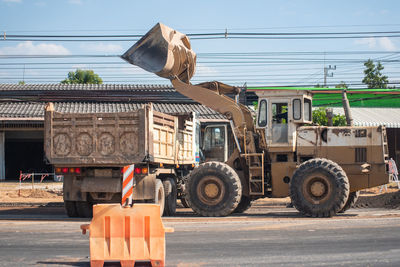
{"x":21,"y":82}
{"x":342,"y":85}
{"x":373,"y":77}
{"x":319,"y":117}
{"x":82,"y":76}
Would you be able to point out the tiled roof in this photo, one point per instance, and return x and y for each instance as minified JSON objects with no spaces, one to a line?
{"x":85,"y":87}
{"x":92,"y":92}
{"x":36,"y":109}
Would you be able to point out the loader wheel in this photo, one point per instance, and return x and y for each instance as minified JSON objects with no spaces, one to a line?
{"x":84,"y":209}
{"x":160,"y":195}
{"x":319,"y":188}
{"x":213,"y":189}
{"x":170,"y":196}
{"x":70,"y":208}
{"x":244,"y":204}
{"x":351,"y":201}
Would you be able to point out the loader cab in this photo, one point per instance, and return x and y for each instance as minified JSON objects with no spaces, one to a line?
{"x":216,"y":141}
{"x":280,"y":113}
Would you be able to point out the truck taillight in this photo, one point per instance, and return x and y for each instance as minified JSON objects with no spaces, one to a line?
{"x":143,"y":170}
{"x":65,"y":170}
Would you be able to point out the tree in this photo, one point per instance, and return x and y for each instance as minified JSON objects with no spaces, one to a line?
{"x":82,"y":76}
{"x":341,"y":85}
{"x":319,"y":117}
{"x":21,"y":82}
{"x":373,"y":76}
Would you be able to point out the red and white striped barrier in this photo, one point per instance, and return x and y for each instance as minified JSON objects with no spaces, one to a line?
{"x":127,"y":184}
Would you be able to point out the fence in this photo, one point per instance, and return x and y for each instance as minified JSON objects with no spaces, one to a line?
{"x":32,"y":175}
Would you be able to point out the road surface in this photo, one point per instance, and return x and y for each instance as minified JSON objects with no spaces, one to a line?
{"x":265,"y":236}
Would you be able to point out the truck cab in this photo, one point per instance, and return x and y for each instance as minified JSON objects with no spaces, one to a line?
{"x":279,"y":115}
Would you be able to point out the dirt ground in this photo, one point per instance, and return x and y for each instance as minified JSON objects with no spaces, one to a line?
{"x":13,"y":192}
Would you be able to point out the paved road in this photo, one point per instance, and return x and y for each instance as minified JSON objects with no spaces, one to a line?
{"x":263,"y":237}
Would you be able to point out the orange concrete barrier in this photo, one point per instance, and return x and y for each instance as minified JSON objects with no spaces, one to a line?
{"x":126,"y":235}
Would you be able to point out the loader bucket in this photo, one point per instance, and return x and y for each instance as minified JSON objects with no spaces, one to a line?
{"x":165,"y":52}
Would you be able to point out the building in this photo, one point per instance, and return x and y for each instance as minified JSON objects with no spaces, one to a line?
{"x":22,"y":115}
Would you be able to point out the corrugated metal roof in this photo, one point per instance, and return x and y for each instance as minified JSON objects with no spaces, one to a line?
{"x":36,"y":110}
{"x":388,"y":117}
{"x":85,"y":87}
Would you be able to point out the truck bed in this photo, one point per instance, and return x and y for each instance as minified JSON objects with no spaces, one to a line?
{"x":117,"y":139}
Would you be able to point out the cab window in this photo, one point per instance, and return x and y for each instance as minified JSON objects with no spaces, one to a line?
{"x":262,"y":113}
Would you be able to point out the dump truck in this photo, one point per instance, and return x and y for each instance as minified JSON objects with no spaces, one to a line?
{"x":278,"y":154}
{"x":91,"y":149}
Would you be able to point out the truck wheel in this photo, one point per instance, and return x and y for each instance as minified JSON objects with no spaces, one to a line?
{"x":353,"y":197}
{"x":170,"y":196}
{"x":160,"y":196}
{"x":70,"y":208}
{"x":319,"y":188}
{"x":84,"y":209}
{"x":213,"y":189}
{"x":244,"y":204}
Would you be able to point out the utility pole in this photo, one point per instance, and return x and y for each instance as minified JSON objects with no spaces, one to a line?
{"x":327,"y":74}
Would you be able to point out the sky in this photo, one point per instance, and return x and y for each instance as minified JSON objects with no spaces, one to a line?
{"x":250,"y":61}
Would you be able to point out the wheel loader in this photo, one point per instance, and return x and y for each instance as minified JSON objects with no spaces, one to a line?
{"x":279,"y":154}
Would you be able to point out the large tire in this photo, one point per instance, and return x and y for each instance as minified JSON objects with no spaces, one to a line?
{"x":170,"y":192}
{"x":244,"y":204}
{"x":351,"y":201}
{"x":159,"y":195}
{"x":213,"y":189}
{"x":70,"y":208}
{"x":84,"y":209}
{"x":319,"y":188}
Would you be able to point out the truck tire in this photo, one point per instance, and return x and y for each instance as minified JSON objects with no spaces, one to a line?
{"x":351,"y":201}
{"x":70,"y":208}
{"x":84,"y":209}
{"x":159,"y":195}
{"x":319,"y":188}
{"x":244,"y":204}
{"x":213,"y":189}
{"x":170,"y":192}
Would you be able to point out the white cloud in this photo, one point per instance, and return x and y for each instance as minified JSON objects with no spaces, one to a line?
{"x":203,"y":70}
{"x":377,"y":43}
{"x":370,"y":42}
{"x":387,"y":44}
{"x":29,"y":48}
{"x":105,"y":48}
{"x":80,"y":66}
{"x":12,"y":1}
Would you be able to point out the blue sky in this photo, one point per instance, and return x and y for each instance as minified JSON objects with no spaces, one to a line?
{"x":88,"y":17}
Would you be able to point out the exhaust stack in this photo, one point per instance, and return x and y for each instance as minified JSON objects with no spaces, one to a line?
{"x":165,"y":52}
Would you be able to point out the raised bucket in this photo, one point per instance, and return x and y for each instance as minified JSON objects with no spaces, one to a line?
{"x":165,"y":52}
